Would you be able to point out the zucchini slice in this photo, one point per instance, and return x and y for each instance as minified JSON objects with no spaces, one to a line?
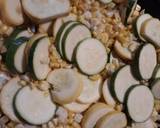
{"x":72,"y":37}
{"x":15,"y":59}
{"x":107,"y":94}
{"x":94,"y":113}
{"x":66,"y":84}
{"x":7,"y":97}
{"x":156,"y":73}
{"x":91,"y":56}
{"x":112,"y":120}
{"x":30,"y":43}
{"x":40,"y":11}
{"x":91,"y":90}
{"x":39,"y":58}
{"x":139,"y":103}
{"x":76,"y":107}
{"x":11,"y":12}
{"x":155,"y":88}
{"x":151,"y":31}
{"x":145,"y":62}
{"x":121,"y":80}
{"x":139,"y":23}
{"x":38,"y":109}
{"x":60,"y":35}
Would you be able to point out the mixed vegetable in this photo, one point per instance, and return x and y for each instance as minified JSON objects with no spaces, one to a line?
{"x":78,"y":64}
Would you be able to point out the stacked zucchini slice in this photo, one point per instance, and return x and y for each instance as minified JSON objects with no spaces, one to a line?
{"x":75,"y":44}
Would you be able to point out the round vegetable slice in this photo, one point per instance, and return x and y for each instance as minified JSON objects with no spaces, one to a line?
{"x":94,"y":113}
{"x":76,"y":107}
{"x":15,"y":59}
{"x":61,"y":33}
{"x":139,"y":103}
{"x":143,"y":65}
{"x":121,"y":81}
{"x":39,"y":58}
{"x":7,"y":97}
{"x":91,"y":56}
{"x":69,"y":42}
{"x":66,"y":84}
{"x":30,"y":43}
{"x":139,"y":23}
{"x":38,"y":109}
{"x":91,"y":90}
{"x":9,"y":12}
{"x":107,"y":94}
{"x":40,"y":11}
{"x":150,"y":30}
{"x":4,"y":77}
{"x":155,"y":88}
{"x":112,"y":120}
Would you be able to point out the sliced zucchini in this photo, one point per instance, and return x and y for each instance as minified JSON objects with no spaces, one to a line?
{"x":91,"y":90}
{"x":30,"y":43}
{"x":155,"y":88}
{"x":91,"y":56}
{"x":139,"y":103}
{"x":145,"y":61}
{"x":66,"y":84}
{"x":112,"y":120}
{"x":151,"y":31}
{"x":38,"y":109}
{"x":122,"y":52}
{"x":39,"y":11}
{"x":11,"y":12}
{"x":39,"y":58}
{"x":9,"y":40}
{"x":69,"y":42}
{"x":139,"y":23}
{"x":76,"y":107}
{"x":15,"y":59}
{"x":107,"y":94}
{"x":7,"y":97}
{"x":94,"y":113}
{"x":60,"y":35}
{"x":156,"y":73}
{"x":121,"y":80}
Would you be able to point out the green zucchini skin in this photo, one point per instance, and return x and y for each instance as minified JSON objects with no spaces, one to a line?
{"x":157,"y":68}
{"x":64,"y":39}
{"x":13,"y":36}
{"x":112,"y":82}
{"x":59,"y":36}
{"x":15,"y":110}
{"x":126,"y":100}
{"x":135,"y":68}
{"x":31,"y":55}
{"x":9,"y":58}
